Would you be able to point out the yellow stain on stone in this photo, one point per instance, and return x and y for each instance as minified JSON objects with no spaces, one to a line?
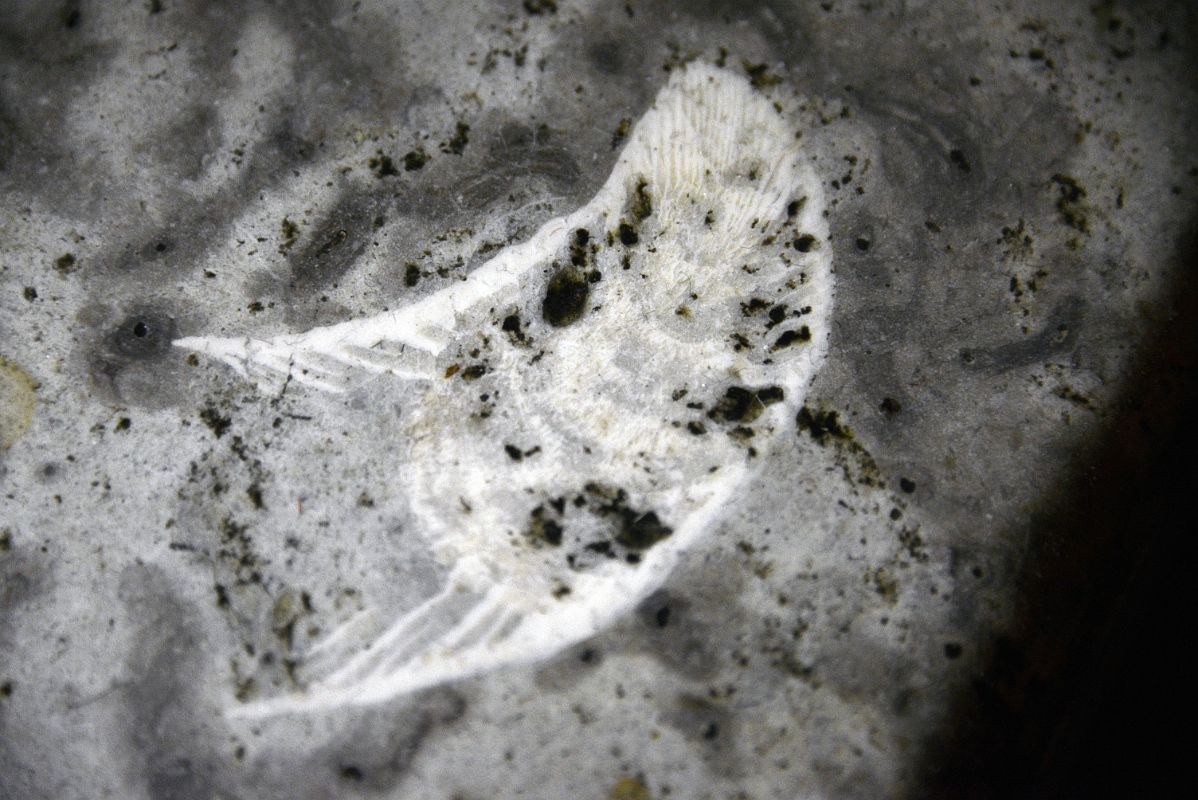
{"x":629,"y":789}
{"x":16,"y":402}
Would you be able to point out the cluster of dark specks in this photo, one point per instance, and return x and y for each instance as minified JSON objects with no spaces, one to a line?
{"x":518,"y":55}
{"x":734,"y":411}
{"x":629,"y":531}
{"x":512,"y":325}
{"x":414,"y":159}
{"x":1079,"y":399}
{"x":759,"y":75}
{"x":66,"y":263}
{"x":776,"y":314}
{"x":237,"y":551}
{"x":471,"y":372}
{"x":1071,"y":206}
{"x":456,"y":144}
{"x":740,"y":405}
{"x":517,"y":454}
{"x":382,"y":166}
{"x":639,"y":208}
{"x":635,"y":530}
{"x":289,"y":232}
{"x":825,"y":428}
{"x":216,"y":422}
{"x":801,"y":335}
{"x":579,"y":252}
{"x":543,"y":529}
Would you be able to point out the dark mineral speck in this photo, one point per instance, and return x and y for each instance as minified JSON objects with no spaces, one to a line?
{"x":565,"y":297}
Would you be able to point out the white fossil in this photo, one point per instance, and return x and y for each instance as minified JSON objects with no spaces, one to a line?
{"x":636,"y":354}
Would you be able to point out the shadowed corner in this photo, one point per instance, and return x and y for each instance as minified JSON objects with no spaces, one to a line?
{"x":1079,"y":696}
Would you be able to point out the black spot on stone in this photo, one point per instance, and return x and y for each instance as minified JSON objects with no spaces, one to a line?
{"x":456,"y":144}
{"x":411,"y":275}
{"x":66,"y":263}
{"x":662,"y":616}
{"x":513,"y":452}
{"x":890,"y":406}
{"x":601,"y":547}
{"x":473,"y":372}
{"x":512,"y":326}
{"x":759,"y":74}
{"x":1069,"y":203}
{"x":351,"y":773}
{"x":771,"y":394}
{"x":415,"y":159}
{"x":578,"y":247}
{"x":863,"y":244}
{"x":215,"y":422}
{"x":641,"y":532}
{"x":642,"y":202}
{"x":382,"y":166}
{"x":787,"y":338}
{"x":543,"y":529}
{"x":958,"y":158}
{"x":907,"y":485}
{"x":142,"y":335}
{"x":254,"y":493}
{"x":565,"y":298}
{"x":953,"y":650}
{"x":538,"y":7}
{"x":635,"y":530}
{"x":821,"y":425}
{"x":804,"y":243}
{"x":628,"y":235}
{"x":621,"y":132}
{"x":741,"y":405}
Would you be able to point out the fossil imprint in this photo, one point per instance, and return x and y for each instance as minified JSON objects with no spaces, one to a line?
{"x":636,"y":357}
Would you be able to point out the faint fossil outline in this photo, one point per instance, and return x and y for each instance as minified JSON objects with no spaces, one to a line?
{"x":714,"y":178}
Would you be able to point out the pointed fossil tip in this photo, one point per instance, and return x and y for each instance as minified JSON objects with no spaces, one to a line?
{"x":233,"y":352}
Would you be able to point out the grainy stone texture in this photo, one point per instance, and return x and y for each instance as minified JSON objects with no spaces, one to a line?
{"x":1010,"y":188}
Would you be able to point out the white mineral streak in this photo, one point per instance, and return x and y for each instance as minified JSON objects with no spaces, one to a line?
{"x":702,"y":302}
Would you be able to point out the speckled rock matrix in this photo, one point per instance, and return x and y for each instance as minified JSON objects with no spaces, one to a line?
{"x":1006,"y":191}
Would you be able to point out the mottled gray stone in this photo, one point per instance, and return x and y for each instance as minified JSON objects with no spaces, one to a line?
{"x":1009,"y":185}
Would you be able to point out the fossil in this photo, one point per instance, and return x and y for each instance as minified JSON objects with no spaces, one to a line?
{"x":639,"y":355}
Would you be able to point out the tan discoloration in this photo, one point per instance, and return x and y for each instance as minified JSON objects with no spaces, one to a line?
{"x":17,"y":399}
{"x":629,"y":789}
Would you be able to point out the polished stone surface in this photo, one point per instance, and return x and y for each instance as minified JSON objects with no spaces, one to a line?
{"x":1009,"y":188}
